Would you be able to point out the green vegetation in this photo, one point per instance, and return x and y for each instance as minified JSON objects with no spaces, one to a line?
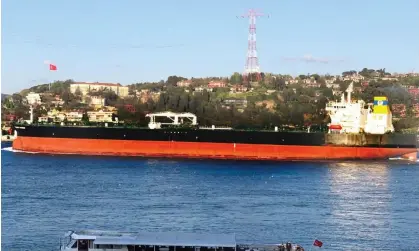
{"x":273,"y":101}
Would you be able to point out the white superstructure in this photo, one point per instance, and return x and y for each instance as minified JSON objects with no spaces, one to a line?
{"x":175,"y":118}
{"x":348,"y":116}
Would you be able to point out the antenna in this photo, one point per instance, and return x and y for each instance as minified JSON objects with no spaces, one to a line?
{"x":252,"y":68}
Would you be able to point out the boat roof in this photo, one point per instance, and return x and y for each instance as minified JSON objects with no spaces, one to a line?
{"x":171,"y":114}
{"x":157,"y":239}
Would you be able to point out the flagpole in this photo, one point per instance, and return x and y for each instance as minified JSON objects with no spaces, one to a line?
{"x":52,"y":67}
{"x":50,"y":79}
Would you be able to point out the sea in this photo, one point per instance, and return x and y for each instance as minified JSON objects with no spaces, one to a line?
{"x":346,"y":205}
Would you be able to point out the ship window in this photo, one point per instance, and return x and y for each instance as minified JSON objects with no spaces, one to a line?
{"x":103,"y":246}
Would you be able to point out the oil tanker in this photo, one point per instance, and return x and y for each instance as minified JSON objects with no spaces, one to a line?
{"x":357,"y":131}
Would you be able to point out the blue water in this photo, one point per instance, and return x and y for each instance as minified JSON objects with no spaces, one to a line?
{"x":348,"y":206}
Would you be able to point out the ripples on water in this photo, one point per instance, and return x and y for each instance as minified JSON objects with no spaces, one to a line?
{"x":348,"y":205}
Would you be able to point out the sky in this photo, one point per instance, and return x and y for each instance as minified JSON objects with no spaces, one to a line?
{"x":134,"y":41}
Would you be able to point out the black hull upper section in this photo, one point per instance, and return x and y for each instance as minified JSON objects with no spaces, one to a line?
{"x":222,"y":136}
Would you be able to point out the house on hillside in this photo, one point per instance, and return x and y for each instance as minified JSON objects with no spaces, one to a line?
{"x":332,"y":85}
{"x":184,"y":83}
{"x":236,"y":102}
{"x":33,"y":98}
{"x":100,"y":116}
{"x":86,"y":87}
{"x":97,"y":101}
{"x":216,"y":84}
{"x":356,"y":77}
{"x":238,"y":89}
{"x":201,"y":89}
{"x":311,"y":83}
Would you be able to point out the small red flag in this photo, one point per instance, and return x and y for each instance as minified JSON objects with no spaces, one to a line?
{"x":318,"y":243}
{"x":52,"y":67}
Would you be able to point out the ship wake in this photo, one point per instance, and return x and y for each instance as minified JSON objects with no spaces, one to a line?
{"x":10,"y":149}
{"x":404,"y":159}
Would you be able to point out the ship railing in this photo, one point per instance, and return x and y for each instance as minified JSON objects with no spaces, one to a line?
{"x":215,"y":128}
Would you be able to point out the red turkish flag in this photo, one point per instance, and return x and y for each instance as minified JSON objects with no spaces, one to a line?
{"x":318,"y":243}
{"x":52,"y":67}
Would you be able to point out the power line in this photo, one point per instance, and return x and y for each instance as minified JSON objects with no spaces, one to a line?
{"x":89,"y":44}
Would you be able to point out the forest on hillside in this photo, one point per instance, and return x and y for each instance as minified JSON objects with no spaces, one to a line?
{"x":294,"y":104}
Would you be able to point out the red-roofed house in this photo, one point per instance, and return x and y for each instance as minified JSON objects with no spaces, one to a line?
{"x":216,"y":84}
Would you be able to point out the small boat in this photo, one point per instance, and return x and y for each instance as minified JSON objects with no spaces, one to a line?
{"x":89,"y":240}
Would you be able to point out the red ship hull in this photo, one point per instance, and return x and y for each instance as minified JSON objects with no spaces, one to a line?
{"x":202,"y":149}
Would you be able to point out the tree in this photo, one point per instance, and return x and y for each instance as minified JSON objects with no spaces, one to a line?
{"x":88,"y":100}
{"x":172,"y":80}
{"x":348,"y":73}
{"x":85,"y":118}
{"x":17,"y":99}
{"x":78,"y":93}
{"x":278,"y":83}
{"x":316,"y":77}
{"x":327,"y":93}
{"x":111,"y":97}
{"x":236,"y":78}
{"x":66,"y":97}
{"x":322,"y":81}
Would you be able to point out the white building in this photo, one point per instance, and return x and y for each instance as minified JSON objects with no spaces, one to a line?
{"x":184,"y":83}
{"x":74,"y":116}
{"x":85,"y":88}
{"x":60,"y":116}
{"x":100,"y":116}
{"x":57,"y":116}
{"x":97,"y":101}
{"x":33,"y":98}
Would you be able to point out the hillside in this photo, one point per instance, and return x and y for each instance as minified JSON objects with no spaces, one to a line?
{"x":275,"y":100}
{"x":4,"y":96}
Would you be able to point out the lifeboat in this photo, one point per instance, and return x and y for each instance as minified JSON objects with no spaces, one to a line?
{"x":335,"y":127}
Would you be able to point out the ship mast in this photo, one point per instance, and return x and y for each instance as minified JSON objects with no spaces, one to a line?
{"x":31,"y":114}
{"x":349,"y":90}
